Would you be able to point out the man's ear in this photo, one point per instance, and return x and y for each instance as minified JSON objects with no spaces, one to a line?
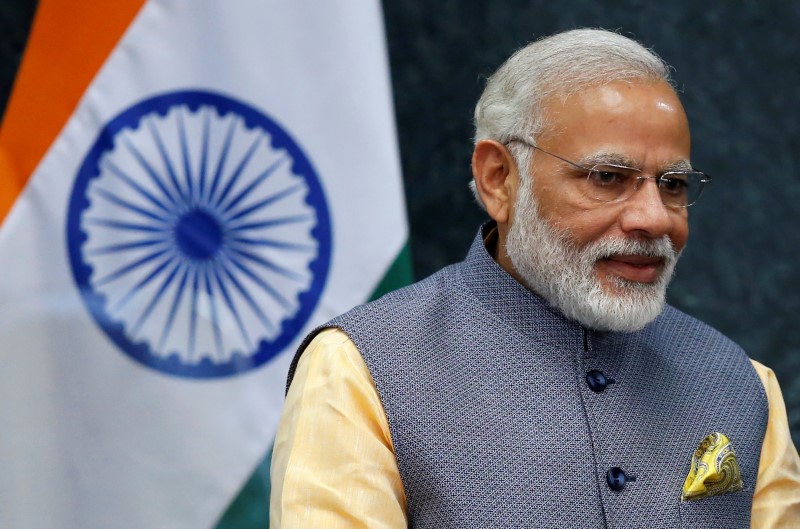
{"x":496,"y":178}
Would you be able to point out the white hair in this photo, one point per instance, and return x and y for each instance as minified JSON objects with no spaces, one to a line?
{"x":559,"y":65}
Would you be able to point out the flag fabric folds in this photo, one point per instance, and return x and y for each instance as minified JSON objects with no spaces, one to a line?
{"x":187,"y":188}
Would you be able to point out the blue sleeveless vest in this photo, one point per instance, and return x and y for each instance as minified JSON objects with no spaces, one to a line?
{"x":503,"y":413}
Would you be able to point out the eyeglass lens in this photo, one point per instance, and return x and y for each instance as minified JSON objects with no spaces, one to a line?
{"x":612,"y":184}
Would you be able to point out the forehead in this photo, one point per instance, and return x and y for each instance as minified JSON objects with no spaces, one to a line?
{"x":642,"y":122}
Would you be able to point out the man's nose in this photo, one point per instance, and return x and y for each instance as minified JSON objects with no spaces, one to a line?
{"x":645,"y":213}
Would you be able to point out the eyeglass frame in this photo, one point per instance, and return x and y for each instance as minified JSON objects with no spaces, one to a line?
{"x":704,"y":178}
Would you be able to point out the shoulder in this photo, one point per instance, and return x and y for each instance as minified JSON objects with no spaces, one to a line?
{"x":390,"y":317}
{"x":687,"y":331}
{"x":696,"y":348}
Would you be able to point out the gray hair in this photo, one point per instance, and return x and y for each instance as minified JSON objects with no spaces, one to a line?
{"x":559,"y":65}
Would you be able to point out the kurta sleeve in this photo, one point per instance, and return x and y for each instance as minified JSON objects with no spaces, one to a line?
{"x":776,"y":499}
{"x":333,"y":465}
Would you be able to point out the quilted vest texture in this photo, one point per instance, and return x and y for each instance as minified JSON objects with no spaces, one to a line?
{"x":494,"y":424}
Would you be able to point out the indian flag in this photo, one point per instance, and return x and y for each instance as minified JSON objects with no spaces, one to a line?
{"x":187,"y":188}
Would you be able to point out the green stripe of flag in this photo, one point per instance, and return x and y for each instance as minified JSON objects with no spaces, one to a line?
{"x":399,"y":274}
{"x":250,"y":509}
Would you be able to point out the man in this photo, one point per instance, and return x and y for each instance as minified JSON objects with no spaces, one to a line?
{"x":542,"y":382}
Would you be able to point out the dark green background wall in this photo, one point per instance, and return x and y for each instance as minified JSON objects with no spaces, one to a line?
{"x":737,"y":64}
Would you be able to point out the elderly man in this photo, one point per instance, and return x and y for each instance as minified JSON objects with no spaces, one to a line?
{"x":542,"y":382}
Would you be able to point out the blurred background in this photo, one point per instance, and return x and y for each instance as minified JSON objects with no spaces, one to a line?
{"x":737,"y":67}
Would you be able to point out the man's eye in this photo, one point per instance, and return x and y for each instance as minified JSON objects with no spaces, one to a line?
{"x":607,"y":177}
{"x":673,"y":184}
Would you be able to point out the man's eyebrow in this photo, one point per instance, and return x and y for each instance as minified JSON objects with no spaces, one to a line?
{"x":678,"y":165}
{"x":608,"y":158}
{"x":613,"y":158}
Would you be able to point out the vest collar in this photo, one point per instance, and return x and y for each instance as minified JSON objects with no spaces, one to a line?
{"x":510,"y":301}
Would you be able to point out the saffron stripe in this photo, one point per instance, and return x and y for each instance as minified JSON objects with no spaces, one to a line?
{"x":59,"y":63}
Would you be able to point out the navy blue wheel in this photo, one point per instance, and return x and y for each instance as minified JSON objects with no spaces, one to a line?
{"x":198,"y":234}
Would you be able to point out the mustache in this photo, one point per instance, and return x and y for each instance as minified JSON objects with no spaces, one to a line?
{"x":609,"y":247}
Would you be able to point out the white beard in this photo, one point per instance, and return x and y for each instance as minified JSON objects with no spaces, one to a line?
{"x":565,"y":274}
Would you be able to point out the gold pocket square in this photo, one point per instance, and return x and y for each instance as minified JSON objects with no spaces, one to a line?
{"x":714,"y":471}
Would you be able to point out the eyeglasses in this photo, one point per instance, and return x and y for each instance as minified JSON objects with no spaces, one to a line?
{"x":615,"y":183}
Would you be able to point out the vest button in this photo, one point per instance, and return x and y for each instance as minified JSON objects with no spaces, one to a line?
{"x":615,"y":477}
{"x":596,"y":380}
